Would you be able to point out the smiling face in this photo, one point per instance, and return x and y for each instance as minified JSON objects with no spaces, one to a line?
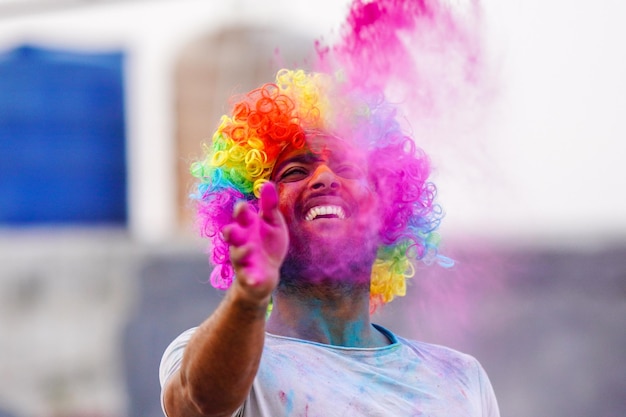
{"x":330,"y":208}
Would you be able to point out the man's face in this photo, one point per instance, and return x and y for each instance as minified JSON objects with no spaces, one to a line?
{"x":329,"y":204}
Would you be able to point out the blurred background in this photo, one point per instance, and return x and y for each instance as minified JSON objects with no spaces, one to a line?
{"x":104,"y":103}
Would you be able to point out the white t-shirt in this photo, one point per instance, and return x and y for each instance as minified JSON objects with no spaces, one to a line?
{"x":406,"y":378}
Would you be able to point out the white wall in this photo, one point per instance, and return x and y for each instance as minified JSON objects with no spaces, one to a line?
{"x":546,"y":168}
{"x":558,"y":135}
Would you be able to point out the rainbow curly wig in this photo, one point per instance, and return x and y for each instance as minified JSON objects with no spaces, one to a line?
{"x":263,"y":122}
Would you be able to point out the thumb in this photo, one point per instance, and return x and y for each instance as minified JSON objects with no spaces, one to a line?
{"x":269,"y":204}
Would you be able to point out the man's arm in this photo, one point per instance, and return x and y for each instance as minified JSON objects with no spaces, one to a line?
{"x":222,"y":358}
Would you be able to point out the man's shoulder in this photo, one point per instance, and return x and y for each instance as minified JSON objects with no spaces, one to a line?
{"x":182,"y":339}
{"x":433,"y":352}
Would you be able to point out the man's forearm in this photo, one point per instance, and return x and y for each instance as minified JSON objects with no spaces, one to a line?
{"x":221,"y":359}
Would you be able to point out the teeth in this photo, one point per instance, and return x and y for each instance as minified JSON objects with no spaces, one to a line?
{"x":323,"y":211}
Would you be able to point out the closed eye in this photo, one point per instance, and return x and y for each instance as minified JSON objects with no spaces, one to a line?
{"x":293,"y":173}
{"x":350,"y":171}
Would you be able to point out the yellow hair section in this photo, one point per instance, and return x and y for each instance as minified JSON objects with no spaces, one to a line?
{"x":391,"y":269}
{"x":388,"y":280}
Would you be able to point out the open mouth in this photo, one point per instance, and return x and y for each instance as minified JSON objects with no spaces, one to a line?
{"x":325,"y":212}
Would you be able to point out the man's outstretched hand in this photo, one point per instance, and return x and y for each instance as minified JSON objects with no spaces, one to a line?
{"x":258,"y":244}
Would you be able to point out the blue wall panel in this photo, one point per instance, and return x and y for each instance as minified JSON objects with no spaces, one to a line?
{"x":62,"y":137}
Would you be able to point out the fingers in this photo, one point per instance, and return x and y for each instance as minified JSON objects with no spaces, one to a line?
{"x":269,"y":204}
{"x":243,"y":214}
{"x":252,"y":271}
{"x":237,"y":233}
{"x":240,"y":255}
{"x":257,"y":241}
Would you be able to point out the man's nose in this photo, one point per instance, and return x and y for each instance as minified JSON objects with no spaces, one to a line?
{"x":323,"y":177}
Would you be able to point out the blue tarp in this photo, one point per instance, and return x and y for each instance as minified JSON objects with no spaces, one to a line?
{"x":62,"y":137}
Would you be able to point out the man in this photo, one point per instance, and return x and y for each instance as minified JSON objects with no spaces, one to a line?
{"x":316,"y":200}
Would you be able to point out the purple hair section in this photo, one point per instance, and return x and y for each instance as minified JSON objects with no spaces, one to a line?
{"x":400,"y":172}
